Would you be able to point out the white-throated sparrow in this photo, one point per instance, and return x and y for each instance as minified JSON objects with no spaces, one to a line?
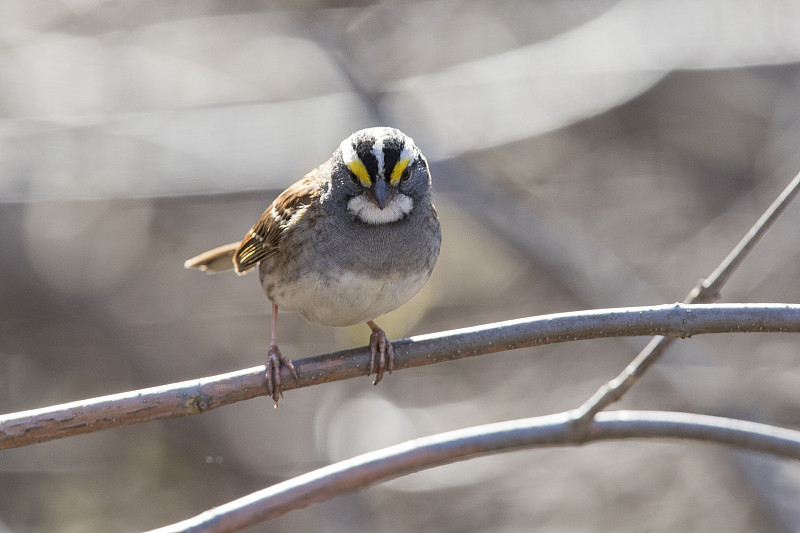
{"x":354,"y":239}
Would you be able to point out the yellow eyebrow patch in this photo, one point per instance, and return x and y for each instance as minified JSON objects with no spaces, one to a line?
{"x":358,"y":168}
{"x":397,"y":172}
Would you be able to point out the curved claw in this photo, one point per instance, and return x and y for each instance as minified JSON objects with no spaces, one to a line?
{"x":379,"y":348}
{"x":273,"y":375}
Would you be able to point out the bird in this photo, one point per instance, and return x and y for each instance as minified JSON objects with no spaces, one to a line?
{"x":353,"y":239}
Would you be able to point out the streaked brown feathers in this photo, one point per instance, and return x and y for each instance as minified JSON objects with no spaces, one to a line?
{"x":264,"y":237}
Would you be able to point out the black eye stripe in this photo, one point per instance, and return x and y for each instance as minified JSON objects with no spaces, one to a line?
{"x":376,"y":154}
{"x":391,"y":156}
{"x":364,"y":153}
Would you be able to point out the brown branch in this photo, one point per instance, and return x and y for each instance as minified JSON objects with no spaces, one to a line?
{"x":445,"y":448}
{"x":197,"y":396}
{"x":706,"y":291}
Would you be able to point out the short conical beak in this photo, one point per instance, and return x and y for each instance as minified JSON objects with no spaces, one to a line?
{"x":382,"y":192}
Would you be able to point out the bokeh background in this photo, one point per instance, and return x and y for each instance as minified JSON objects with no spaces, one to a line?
{"x":585,"y":154}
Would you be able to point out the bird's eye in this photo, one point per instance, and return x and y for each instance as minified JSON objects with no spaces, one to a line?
{"x":405,"y":175}
{"x":353,"y":177}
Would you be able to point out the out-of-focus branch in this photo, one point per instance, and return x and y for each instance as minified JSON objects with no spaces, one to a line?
{"x":416,"y":455}
{"x":196,"y":396}
{"x":706,"y":291}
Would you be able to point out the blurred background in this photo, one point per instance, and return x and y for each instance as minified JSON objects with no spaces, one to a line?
{"x":585,"y":154}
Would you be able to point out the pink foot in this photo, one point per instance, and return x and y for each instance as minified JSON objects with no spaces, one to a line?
{"x":379,"y":347}
{"x":274,"y":362}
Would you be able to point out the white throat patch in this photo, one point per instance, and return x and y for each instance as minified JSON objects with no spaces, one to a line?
{"x":368,"y":212}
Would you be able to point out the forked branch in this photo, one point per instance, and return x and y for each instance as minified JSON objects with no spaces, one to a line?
{"x":420,"y":454}
{"x":706,"y":291}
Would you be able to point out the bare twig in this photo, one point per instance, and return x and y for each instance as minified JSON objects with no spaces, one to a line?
{"x":197,"y":396}
{"x":706,"y":291}
{"x":416,"y":455}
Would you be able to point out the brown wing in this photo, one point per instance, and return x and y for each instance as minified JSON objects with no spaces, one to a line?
{"x":265,"y":236}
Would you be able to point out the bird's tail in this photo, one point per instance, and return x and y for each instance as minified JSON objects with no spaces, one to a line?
{"x":216,"y":260}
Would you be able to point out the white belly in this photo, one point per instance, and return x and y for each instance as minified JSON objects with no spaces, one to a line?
{"x":346,"y":299}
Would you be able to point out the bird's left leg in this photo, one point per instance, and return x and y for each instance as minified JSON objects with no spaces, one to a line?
{"x":379,"y":347}
{"x":275,"y":359}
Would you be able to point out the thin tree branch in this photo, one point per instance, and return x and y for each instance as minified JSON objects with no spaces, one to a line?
{"x":706,"y":291}
{"x":197,"y":396}
{"x":436,"y":450}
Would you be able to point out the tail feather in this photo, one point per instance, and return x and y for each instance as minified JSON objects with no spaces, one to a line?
{"x":216,"y":260}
